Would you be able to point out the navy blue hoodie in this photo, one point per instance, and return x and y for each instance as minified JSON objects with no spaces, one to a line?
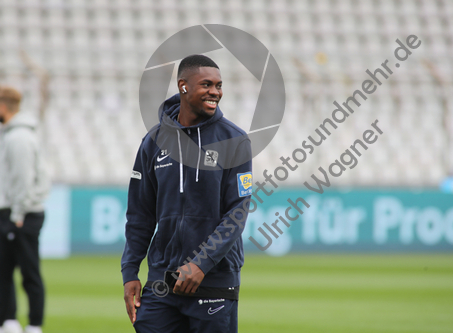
{"x":193,"y":184}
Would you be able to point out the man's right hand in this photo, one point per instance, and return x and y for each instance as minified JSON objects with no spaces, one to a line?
{"x":132,"y":289}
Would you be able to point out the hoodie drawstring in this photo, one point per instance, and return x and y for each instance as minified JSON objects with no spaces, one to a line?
{"x":199,"y":153}
{"x":181,"y":181}
{"x":181,"y":177}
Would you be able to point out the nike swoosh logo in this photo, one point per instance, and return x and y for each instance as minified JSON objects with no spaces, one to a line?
{"x":162,"y":158}
{"x":211,"y":311}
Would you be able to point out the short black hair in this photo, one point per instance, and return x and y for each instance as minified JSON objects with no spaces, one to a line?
{"x":195,"y":61}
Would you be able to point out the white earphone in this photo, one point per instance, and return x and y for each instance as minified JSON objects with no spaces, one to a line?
{"x":184,"y":89}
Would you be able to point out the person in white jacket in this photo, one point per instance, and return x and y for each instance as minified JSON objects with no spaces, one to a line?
{"x":23,"y":187}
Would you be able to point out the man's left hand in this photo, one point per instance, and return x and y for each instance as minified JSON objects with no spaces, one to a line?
{"x":191,"y":281}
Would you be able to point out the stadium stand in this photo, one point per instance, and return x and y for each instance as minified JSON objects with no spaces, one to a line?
{"x":95,"y":52}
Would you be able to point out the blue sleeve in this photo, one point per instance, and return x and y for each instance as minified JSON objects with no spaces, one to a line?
{"x":235,"y":197}
{"x":141,"y":214}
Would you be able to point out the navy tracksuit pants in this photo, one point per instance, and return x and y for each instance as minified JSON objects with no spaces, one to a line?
{"x":183,"y":314}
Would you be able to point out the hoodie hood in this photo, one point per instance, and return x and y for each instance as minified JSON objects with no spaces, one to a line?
{"x":22,"y":119}
{"x":169,"y":111}
{"x":213,"y":134}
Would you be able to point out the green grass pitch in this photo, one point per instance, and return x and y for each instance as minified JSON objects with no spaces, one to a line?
{"x":307,"y":293}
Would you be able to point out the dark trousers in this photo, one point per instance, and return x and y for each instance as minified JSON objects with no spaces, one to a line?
{"x":20,"y":247}
{"x":182,"y":314}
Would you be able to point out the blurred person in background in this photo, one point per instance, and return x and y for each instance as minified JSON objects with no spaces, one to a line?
{"x":23,"y":186}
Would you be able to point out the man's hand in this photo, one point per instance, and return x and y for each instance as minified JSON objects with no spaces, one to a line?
{"x":19,"y":224}
{"x":191,"y":281}
{"x":132,"y":289}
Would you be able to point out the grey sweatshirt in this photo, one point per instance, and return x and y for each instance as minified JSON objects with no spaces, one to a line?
{"x":24,"y":182}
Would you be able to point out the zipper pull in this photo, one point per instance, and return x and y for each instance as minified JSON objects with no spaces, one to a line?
{"x":188,"y":130}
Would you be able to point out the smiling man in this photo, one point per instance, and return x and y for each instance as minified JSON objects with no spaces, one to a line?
{"x":187,"y":183}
